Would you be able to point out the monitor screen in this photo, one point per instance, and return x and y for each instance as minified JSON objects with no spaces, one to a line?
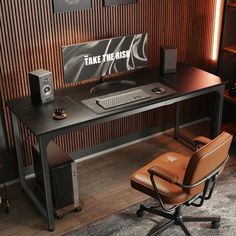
{"x":104,"y":57}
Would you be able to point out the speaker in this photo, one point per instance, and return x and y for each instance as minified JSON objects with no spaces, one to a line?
{"x":63,"y":177}
{"x":168,"y":59}
{"x":41,"y":86}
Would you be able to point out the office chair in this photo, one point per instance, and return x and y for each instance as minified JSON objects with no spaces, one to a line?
{"x":176,"y":180}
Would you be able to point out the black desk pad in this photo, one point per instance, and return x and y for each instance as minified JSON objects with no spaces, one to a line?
{"x":91,"y":102}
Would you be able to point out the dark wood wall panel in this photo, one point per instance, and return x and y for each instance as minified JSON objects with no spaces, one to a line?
{"x":31,"y":37}
{"x":201,"y":29}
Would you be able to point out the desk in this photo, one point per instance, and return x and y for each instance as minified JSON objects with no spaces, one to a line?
{"x":188,"y":82}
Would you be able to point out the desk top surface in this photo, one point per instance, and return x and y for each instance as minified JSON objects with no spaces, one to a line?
{"x":38,"y":118}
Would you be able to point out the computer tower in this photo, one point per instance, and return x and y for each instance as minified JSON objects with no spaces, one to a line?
{"x":63,"y":176}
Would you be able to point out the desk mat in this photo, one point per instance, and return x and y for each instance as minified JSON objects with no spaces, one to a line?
{"x":91,"y":102}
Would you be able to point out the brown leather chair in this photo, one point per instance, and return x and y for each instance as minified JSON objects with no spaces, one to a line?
{"x":176,"y":180}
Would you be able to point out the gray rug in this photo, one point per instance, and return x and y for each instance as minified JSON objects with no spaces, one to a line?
{"x":125,"y":223}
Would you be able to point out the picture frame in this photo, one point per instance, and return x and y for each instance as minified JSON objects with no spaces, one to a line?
{"x":70,"y":5}
{"x":118,"y":2}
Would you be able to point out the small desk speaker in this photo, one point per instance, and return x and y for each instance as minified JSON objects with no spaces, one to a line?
{"x":168,"y":59}
{"x":41,"y":86}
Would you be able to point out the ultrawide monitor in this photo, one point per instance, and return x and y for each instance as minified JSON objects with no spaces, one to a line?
{"x":104,"y":57}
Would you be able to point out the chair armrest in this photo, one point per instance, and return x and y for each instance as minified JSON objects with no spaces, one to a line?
{"x":163,"y":173}
{"x":166,"y":175}
{"x":201,"y":141}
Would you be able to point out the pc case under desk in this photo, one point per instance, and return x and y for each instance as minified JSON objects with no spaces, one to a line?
{"x":63,"y":178}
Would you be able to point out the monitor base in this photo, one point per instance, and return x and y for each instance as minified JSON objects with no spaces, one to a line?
{"x":112,"y":86}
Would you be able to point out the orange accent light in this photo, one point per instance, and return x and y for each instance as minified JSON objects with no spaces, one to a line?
{"x":216,"y":35}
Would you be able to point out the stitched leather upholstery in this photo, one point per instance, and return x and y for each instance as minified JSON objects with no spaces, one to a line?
{"x":206,"y":160}
{"x":189,"y":170}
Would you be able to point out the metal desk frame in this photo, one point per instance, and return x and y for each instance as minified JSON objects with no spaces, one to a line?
{"x":44,"y":139}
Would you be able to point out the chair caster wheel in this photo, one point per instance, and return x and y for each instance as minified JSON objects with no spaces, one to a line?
{"x":215,"y":224}
{"x":140,"y":213}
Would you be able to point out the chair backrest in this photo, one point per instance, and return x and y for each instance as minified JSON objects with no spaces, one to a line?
{"x":205,"y":160}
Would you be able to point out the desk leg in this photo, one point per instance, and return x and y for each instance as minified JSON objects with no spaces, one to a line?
{"x":216,"y":117}
{"x":176,"y":122}
{"x":177,"y":134}
{"x":48,"y":213}
{"x":17,"y":138}
{"x":47,"y":186}
{"x":25,"y":187}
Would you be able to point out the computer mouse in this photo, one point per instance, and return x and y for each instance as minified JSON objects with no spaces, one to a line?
{"x":158,"y":90}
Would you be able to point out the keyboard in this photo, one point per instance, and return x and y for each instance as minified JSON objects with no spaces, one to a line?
{"x":122,"y":99}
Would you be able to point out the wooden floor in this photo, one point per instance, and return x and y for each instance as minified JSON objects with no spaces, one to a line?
{"x":104,"y":188}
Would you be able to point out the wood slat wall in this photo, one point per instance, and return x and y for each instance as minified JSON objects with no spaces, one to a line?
{"x":31,"y":36}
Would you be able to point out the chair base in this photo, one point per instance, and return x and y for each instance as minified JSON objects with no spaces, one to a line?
{"x":176,"y":219}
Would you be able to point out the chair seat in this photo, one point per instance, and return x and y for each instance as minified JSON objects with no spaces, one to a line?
{"x":170,"y":193}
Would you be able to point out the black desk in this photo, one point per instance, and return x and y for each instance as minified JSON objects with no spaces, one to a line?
{"x":188,"y":82}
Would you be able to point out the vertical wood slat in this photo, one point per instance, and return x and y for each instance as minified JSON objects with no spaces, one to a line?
{"x":31,"y":37}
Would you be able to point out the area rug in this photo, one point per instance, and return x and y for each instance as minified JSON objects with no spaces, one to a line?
{"x":126,"y":223}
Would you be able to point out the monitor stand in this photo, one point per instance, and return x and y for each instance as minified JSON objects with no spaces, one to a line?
{"x":111,"y":86}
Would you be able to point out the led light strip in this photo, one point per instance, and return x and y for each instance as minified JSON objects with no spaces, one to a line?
{"x":214,"y":55}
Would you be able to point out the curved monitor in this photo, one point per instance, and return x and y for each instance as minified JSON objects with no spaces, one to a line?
{"x":104,"y":57}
